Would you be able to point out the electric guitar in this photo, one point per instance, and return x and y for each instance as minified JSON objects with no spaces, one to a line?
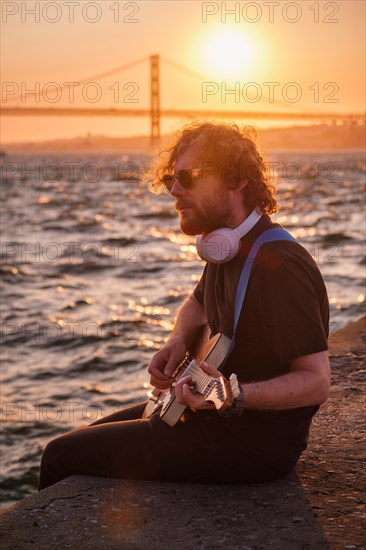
{"x":215,"y":390}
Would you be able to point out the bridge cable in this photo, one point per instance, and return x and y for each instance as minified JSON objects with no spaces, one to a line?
{"x":95,"y":77}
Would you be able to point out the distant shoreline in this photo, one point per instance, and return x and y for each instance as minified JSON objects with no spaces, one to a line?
{"x":314,"y":138}
{"x":93,"y":152}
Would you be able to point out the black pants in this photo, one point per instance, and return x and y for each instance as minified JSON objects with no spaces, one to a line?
{"x":203,"y":448}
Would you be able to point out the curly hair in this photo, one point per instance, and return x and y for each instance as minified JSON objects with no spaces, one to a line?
{"x":231,"y":155}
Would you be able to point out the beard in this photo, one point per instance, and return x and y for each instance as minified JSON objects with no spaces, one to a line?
{"x":212,"y":213}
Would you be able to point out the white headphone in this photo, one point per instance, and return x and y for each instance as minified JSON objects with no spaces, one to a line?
{"x":222,"y":245}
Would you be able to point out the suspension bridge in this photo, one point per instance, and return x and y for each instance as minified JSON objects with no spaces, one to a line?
{"x":155,"y":112}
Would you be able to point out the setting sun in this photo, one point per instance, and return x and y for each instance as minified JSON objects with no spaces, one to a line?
{"x":229,"y":53}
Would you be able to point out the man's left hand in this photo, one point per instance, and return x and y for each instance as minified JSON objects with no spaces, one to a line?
{"x":185,"y":393}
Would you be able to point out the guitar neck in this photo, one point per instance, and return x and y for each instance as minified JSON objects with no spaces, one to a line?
{"x":201,"y":378}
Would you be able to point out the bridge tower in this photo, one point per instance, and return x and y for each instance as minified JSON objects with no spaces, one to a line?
{"x":155,"y":99}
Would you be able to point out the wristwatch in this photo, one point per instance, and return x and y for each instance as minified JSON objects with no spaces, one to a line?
{"x":238,"y":403}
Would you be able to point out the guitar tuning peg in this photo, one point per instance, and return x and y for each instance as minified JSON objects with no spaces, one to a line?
{"x":234,"y":385}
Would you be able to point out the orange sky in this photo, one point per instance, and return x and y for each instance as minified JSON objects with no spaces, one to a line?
{"x":306,"y":48}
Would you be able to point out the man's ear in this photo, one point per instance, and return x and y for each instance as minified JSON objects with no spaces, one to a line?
{"x":243,"y":183}
{"x":236,"y":185}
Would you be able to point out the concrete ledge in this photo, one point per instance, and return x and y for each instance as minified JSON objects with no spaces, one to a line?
{"x":350,"y":339}
{"x":95,"y":513}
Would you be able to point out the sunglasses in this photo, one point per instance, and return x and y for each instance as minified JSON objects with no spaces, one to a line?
{"x":184,"y":176}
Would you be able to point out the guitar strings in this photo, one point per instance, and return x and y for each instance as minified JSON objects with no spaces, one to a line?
{"x":204,"y":383}
{"x":201,"y":378}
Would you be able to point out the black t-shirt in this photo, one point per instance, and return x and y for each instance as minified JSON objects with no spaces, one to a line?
{"x":285,"y":315}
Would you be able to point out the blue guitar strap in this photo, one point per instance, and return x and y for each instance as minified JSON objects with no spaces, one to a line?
{"x":271,"y":235}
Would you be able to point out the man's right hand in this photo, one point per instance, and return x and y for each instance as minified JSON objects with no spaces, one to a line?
{"x":165,"y":361}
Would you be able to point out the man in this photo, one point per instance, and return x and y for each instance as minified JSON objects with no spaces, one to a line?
{"x":279,"y":357}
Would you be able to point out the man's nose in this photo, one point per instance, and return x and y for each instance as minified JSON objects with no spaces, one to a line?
{"x":177,"y":190}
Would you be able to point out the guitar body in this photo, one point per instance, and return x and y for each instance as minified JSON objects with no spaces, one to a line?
{"x":213,"y":350}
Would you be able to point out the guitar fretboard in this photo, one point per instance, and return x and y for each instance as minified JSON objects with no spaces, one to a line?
{"x":203,"y":380}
